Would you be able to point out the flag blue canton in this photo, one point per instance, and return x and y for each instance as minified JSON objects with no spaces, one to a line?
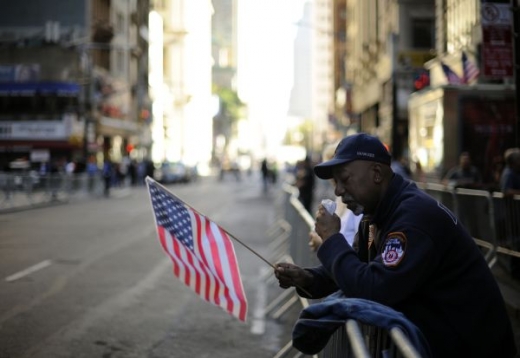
{"x":172,"y":215}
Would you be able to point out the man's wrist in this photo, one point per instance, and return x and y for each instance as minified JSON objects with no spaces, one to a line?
{"x":308,"y":279}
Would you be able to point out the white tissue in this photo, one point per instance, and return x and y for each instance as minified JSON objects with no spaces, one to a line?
{"x":330,"y":205}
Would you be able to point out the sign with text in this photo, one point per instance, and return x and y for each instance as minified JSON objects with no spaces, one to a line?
{"x":33,"y":130}
{"x":497,"y":40}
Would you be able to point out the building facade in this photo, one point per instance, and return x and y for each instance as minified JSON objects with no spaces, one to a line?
{"x":72,"y":71}
{"x":180,"y":75}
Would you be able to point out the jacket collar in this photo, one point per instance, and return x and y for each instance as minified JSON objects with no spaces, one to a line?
{"x":388,"y":203}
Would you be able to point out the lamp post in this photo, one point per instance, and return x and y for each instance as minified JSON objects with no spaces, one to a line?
{"x":86,"y":102}
{"x":515,"y":7}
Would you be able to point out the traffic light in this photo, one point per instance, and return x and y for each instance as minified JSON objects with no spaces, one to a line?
{"x":421,"y":80}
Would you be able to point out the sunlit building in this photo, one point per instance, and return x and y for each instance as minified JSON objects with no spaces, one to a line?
{"x":180,"y":72}
{"x":323,"y":91}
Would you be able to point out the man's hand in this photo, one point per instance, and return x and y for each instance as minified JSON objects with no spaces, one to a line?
{"x":314,"y":241}
{"x":289,"y":275}
{"x":326,"y":224}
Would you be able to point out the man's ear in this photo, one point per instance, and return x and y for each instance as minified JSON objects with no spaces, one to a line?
{"x":378,"y":173}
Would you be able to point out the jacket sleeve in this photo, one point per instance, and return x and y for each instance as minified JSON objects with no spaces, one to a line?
{"x":377,"y":281}
{"x":323,"y":284}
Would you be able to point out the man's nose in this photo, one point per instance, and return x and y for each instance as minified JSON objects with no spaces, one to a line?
{"x":339,"y":190}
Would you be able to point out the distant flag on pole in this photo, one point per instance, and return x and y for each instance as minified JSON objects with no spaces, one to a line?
{"x":452,"y":77}
{"x":470,"y":70}
{"x":202,"y":253}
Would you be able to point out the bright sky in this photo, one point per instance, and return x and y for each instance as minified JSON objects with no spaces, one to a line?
{"x":266,"y":32}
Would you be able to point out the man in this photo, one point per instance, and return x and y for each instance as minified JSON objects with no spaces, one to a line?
{"x":510,"y":179}
{"x":426,"y":265}
{"x":464,"y":175}
{"x":510,"y":186}
{"x":305,"y":183}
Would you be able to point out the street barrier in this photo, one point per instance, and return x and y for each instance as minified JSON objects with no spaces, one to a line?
{"x":492,"y":219}
{"x":25,"y":190}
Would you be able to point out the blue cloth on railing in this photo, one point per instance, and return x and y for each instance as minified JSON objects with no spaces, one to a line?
{"x":319,"y":321}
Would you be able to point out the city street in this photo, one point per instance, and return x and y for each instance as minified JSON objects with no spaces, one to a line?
{"x":90,"y":279}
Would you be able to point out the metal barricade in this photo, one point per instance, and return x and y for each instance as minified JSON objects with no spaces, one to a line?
{"x":476,"y":212}
{"x":355,"y":340}
{"x":439,"y":192}
{"x":28,"y":189}
{"x":507,"y":224}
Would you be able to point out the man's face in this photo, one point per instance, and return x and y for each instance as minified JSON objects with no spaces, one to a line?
{"x":465,"y":161}
{"x":354,"y":183}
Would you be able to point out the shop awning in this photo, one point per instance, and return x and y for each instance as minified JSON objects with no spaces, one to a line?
{"x":64,"y":89}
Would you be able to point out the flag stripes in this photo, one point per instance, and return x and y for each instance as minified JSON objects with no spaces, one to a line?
{"x":201,"y":252}
{"x":471,"y":71}
{"x":452,"y":77}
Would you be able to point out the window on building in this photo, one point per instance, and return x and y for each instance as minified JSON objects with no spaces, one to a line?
{"x":423,"y":31}
{"x":120,"y":23}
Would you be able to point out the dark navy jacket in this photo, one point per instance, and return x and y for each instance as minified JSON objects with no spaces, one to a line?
{"x":440,"y":280}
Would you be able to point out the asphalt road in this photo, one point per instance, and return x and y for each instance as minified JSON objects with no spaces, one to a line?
{"x":90,"y":279}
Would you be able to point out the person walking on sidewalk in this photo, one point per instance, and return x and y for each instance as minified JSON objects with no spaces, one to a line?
{"x":107,"y":173}
{"x":305,"y":183}
{"x":426,"y":264}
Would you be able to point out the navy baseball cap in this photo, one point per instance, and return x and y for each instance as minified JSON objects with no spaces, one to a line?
{"x":359,"y":146}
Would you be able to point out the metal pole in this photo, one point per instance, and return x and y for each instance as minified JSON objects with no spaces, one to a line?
{"x":516,"y":56}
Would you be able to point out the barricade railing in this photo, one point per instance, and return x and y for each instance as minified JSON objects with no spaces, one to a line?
{"x":492,"y":219}
{"x":19,"y":190}
{"x":474,"y":208}
{"x":287,"y":245}
{"x":507,"y":224}
{"x":352,"y":340}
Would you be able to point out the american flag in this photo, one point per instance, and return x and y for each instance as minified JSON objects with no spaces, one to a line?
{"x":471,"y":71}
{"x":202,"y":253}
{"x":452,"y":77}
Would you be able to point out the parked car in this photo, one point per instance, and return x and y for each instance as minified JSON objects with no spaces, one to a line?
{"x":172,"y":172}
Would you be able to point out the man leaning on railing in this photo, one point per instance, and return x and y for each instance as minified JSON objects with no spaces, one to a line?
{"x":425,"y":264}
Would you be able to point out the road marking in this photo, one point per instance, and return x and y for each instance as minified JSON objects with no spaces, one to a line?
{"x":258,"y":324}
{"x":29,"y":270}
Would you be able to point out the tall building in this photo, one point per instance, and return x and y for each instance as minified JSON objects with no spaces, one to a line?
{"x":388,"y":43}
{"x":70,"y":71}
{"x":300,"y":105}
{"x":224,"y":43}
{"x":180,"y":76}
{"x":323,"y":91}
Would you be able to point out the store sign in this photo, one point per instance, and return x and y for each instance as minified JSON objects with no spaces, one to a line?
{"x":497,"y":40}
{"x":40,"y":155}
{"x":34,"y":130}
{"x":20,"y":73}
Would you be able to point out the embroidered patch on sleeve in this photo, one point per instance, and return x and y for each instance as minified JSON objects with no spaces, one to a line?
{"x":394,"y":249}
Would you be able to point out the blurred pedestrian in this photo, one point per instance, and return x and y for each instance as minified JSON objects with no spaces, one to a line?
{"x":510,"y":186}
{"x":108,"y":173}
{"x":426,"y":266}
{"x":510,"y":178}
{"x":305,"y":183}
{"x":92,"y":172}
{"x":464,"y":175}
{"x":264,"y":169}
